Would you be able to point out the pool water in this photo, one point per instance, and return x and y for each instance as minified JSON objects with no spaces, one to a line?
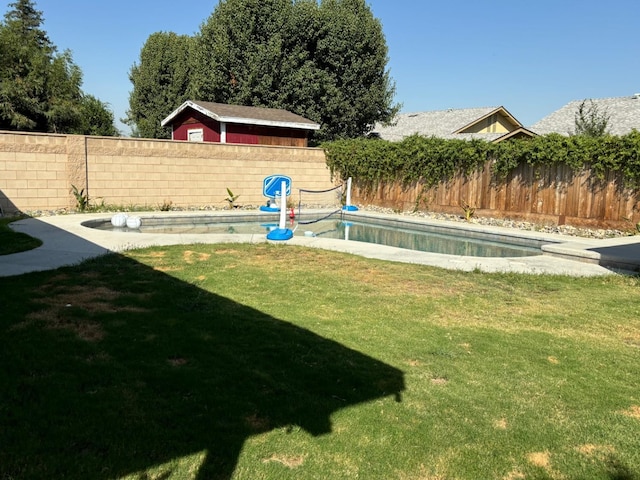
{"x":420,"y":237}
{"x":423,"y":240}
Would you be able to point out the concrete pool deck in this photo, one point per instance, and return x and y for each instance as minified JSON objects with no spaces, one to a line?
{"x":67,"y":242}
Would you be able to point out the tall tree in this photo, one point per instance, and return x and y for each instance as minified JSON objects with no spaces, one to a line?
{"x":324,"y":61}
{"x":40,"y":90}
{"x":352,"y":50}
{"x":25,"y":55}
{"x":161,"y":83}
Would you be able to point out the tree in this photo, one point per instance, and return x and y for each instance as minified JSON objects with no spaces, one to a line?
{"x":160,"y":81}
{"x":324,"y":61}
{"x":590,"y":121}
{"x":97,"y":118}
{"x":25,"y":55}
{"x":353,"y":52}
{"x":40,"y":90}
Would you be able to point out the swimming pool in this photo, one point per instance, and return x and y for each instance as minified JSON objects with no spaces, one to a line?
{"x":410,"y":235}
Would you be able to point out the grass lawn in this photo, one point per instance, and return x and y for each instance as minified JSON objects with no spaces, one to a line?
{"x":14,"y":242}
{"x":278,"y":362}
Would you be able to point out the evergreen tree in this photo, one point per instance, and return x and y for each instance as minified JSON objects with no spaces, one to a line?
{"x":161,"y":83}
{"x":40,"y":90}
{"x":25,"y":56}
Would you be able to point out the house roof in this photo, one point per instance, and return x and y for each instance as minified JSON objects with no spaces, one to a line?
{"x":451,"y":123}
{"x":270,"y":117}
{"x":623,"y":112}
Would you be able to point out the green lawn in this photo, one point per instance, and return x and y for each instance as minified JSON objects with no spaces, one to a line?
{"x":278,"y":362}
{"x":14,"y":242}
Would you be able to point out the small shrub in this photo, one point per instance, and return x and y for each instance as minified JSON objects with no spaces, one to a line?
{"x":82,"y":199}
{"x":165,"y":206}
{"x":231,"y":198}
{"x":468,"y":210}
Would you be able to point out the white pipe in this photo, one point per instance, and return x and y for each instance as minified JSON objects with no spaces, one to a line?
{"x":349,"y":191}
{"x":283,"y":204}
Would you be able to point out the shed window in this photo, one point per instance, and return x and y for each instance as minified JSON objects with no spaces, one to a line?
{"x":195,"y":135}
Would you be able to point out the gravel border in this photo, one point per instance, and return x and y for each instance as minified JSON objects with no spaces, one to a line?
{"x":567,"y":230}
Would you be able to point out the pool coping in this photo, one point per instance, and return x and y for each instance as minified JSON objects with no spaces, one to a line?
{"x":66,"y":241}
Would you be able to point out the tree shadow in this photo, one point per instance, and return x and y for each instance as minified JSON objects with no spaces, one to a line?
{"x":6,"y":206}
{"x":112,"y":367}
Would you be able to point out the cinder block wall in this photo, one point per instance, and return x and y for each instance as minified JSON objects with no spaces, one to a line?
{"x":37,"y":171}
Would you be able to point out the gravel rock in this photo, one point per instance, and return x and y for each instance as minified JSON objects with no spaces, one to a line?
{"x":495,"y":222}
{"x":516,"y":224}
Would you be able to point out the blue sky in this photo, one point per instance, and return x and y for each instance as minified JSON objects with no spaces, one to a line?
{"x":530,"y":57}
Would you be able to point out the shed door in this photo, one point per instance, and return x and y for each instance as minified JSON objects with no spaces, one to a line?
{"x":195,"y":135}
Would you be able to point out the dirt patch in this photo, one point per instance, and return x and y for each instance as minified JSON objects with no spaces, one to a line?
{"x":72,"y":308}
{"x":192,"y":257}
{"x":540,"y":459}
{"x":633,"y":412}
{"x":515,"y":475}
{"x":439,"y":381}
{"x":596,"y":451}
{"x":168,"y":269}
{"x":500,"y":424}
{"x":553,"y":360}
{"x":289,"y":461}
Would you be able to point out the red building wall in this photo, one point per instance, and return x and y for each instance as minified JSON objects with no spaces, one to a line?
{"x":193,"y":120}
{"x":236,"y":133}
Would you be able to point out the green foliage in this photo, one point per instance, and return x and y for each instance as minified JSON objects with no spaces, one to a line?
{"x":231,"y":198}
{"x":427,"y":160}
{"x":96,"y":118}
{"x":434,"y":160}
{"x":82,"y":199}
{"x":603,"y":154}
{"x":160,"y":83}
{"x":39,"y":88}
{"x":468,"y":210}
{"x":325,"y":61}
{"x":590,"y":121}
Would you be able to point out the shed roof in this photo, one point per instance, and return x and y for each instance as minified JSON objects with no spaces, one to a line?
{"x":222,"y":112}
{"x":450,"y":123}
{"x":623,"y":112}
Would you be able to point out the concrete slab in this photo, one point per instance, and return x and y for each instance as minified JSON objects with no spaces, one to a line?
{"x":66,"y":242}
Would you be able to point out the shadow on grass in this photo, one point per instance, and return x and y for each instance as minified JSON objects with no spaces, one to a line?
{"x":111,"y":368}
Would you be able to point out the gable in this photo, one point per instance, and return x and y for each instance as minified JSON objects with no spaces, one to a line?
{"x":489,"y":123}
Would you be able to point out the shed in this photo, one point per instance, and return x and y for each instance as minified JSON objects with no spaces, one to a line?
{"x":197,"y":121}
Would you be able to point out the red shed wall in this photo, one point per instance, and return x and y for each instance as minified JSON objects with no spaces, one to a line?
{"x":237,"y":133}
{"x":191,"y":120}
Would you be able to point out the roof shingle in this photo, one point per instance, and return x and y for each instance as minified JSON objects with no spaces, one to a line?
{"x":623,"y":112}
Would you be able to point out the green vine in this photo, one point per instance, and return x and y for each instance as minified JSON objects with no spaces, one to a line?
{"x":434,"y":160}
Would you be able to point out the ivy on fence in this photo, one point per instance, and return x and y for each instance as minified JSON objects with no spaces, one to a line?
{"x":434,"y":160}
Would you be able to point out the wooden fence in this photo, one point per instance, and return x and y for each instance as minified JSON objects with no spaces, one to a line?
{"x":553,"y":194}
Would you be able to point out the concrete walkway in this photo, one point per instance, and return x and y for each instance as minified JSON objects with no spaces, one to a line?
{"x":67,"y":242}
